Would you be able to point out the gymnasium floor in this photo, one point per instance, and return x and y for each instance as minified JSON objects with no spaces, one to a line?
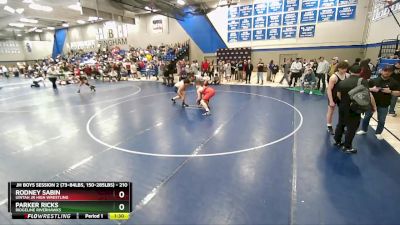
{"x":263,"y":157}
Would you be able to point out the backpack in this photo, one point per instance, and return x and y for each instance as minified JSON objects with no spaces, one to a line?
{"x":360,"y":98}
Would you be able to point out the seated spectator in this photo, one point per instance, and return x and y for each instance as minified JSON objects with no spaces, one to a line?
{"x":308,"y":78}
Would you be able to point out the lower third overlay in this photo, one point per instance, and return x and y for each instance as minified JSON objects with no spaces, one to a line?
{"x":70,"y":200}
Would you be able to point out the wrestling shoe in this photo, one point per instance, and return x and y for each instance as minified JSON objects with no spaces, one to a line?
{"x":173,"y":100}
{"x":93,"y":88}
{"x":206,"y":114}
{"x":79,"y":91}
{"x":349,"y":150}
{"x":330,"y":130}
{"x":361,"y":132}
{"x":185,"y":105}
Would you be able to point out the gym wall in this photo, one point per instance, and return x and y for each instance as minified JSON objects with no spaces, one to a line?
{"x":378,"y":30}
{"x":40,"y":46}
{"x":143,"y":33}
{"x":343,"y":39}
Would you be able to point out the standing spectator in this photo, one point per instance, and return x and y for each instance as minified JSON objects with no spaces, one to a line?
{"x":239,"y":67}
{"x":194,"y":67}
{"x":204,"y":67}
{"x":5,"y":71}
{"x":356,"y":62}
{"x":365,"y":69}
{"x":260,"y":72}
{"x":221,"y":68}
{"x":211,"y":69}
{"x":382,"y":88}
{"x":295,"y":70}
{"x":396,"y":76}
{"x":248,"y":68}
{"x":286,"y":71}
{"x":348,"y":118}
{"x":334,"y":81}
{"x":322,"y":72}
{"x":274,"y":71}
{"x":228,"y":71}
{"x":308,"y":78}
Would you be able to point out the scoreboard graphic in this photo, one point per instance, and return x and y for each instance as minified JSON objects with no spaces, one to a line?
{"x":70,"y":200}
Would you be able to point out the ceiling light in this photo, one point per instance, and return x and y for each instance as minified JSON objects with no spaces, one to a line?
{"x":25,"y":20}
{"x":76,"y":7}
{"x":16,"y":24}
{"x":80,"y":21}
{"x":50,"y":28}
{"x":27,"y":1}
{"x":3,"y":1}
{"x":36,"y":6}
{"x":181,"y":2}
{"x":19,"y":35}
{"x":65,"y":25}
{"x":9,"y":9}
{"x":38,"y":30}
{"x":93,"y":18}
{"x":20,"y":10}
{"x":32,"y":29}
{"x":147,"y":8}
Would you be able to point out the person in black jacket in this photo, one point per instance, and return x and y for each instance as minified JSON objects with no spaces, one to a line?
{"x":347,"y":117}
{"x":383,"y":88}
{"x":248,"y":68}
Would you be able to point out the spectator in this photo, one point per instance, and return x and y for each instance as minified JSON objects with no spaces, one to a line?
{"x":295,"y":71}
{"x":308,"y":78}
{"x":347,"y":117}
{"x":204,"y":67}
{"x":322,"y":72}
{"x":395,"y":76}
{"x":382,"y":88}
{"x":286,"y":71}
{"x":274,"y":70}
{"x":365,"y":70}
{"x":260,"y":72}
{"x":249,"y":69}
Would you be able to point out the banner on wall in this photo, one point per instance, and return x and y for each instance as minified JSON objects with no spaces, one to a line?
{"x":326,"y":15}
{"x":275,"y":6}
{"x":346,"y":13}
{"x":245,"y":23}
{"x":259,"y":35}
{"x":245,"y":35}
{"x":274,"y":34}
{"x":309,"y":16}
{"x":291,"y":5}
{"x":246,"y":10}
{"x":289,"y":32}
{"x":309,"y":4}
{"x":260,"y":9}
{"x":158,"y":25}
{"x":233,"y":54}
{"x":347,"y":2}
{"x":233,"y":37}
{"x":233,"y":12}
{"x":233,"y":24}
{"x":327,"y":3}
{"x":307,"y":31}
{"x":274,"y":20}
{"x":290,"y":19}
{"x":260,"y":22}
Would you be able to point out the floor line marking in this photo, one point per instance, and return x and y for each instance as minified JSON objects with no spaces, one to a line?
{"x":293,"y":203}
{"x":88,"y":130}
{"x":196,"y":151}
{"x":80,"y":163}
{"x":93,"y":103}
{"x":4,"y":201}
